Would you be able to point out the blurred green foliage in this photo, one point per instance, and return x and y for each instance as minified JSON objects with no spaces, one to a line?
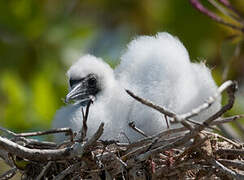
{"x":40,"y":39}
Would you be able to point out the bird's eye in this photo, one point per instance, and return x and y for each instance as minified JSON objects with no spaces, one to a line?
{"x":92,"y":81}
{"x":73,"y":82}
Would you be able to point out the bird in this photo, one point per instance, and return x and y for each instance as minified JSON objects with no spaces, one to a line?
{"x":156,"y":68}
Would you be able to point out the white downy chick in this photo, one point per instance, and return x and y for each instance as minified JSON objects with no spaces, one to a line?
{"x":156,"y":68}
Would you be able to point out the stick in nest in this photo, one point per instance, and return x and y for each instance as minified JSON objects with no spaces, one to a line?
{"x":135,"y":154}
{"x":77,"y":149}
{"x":133,"y":126}
{"x":84,"y":122}
{"x":39,"y":133}
{"x":229,"y":86}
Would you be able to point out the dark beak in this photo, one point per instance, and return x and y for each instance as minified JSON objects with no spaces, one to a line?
{"x":80,"y":94}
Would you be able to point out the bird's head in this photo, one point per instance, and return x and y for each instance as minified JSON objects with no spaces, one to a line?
{"x":88,"y":78}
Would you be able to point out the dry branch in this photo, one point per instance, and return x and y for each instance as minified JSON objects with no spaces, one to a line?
{"x":168,"y":154}
{"x":76,"y":149}
{"x":9,"y":174}
{"x":84,"y":122}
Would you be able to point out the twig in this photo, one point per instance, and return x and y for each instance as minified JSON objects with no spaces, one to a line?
{"x":162,"y":110}
{"x":27,"y":141}
{"x":167,"y":121}
{"x":7,"y":131}
{"x":167,"y":141}
{"x":199,"y":123}
{"x":149,"y":139}
{"x":226,"y":171}
{"x":227,"y":119}
{"x":213,"y":16}
{"x":172,"y":145}
{"x":138,"y":148}
{"x":233,"y":152}
{"x":80,"y":149}
{"x":122,"y":162}
{"x":160,"y":135}
{"x":182,"y":118}
{"x":181,"y":129}
{"x":207,"y":104}
{"x":133,"y":126}
{"x":46,"y":155}
{"x":9,"y":174}
{"x":224,"y":11}
{"x":224,"y":138}
{"x":233,"y":163}
{"x":35,"y":142}
{"x":227,"y":4}
{"x":44,"y":170}
{"x":52,"y":131}
{"x":135,"y":152}
{"x":33,"y":154}
{"x":85,"y":118}
{"x":190,"y":149}
{"x":151,"y":104}
{"x":95,"y":137}
{"x":154,"y":142}
{"x":231,"y":87}
{"x":67,"y":171}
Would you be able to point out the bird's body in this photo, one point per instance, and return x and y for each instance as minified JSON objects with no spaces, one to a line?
{"x":155,"y":68}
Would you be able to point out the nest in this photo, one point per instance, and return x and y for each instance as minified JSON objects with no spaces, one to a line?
{"x":189,"y":152}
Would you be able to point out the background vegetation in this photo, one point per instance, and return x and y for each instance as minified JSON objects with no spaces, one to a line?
{"x":40,"y":39}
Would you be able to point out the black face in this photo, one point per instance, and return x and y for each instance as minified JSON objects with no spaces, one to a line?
{"x":83,"y":89}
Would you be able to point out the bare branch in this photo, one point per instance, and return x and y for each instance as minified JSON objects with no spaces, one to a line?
{"x":35,"y":142}
{"x":47,"y":155}
{"x":233,"y":163}
{"x":231,"y":87}
{"x":227,"y":171}
{"x":85,"y":118}
{"x":96,"y":136}
{"x":196,"y":4}
{"x":227,"y":119}
{"x":151,"y":104}
{"x":67,"y":171}
{"x":225,"y":11}
{"x":155,"y":155}
{"x":233,"y":152}
{"x":227,"y":4}
{"x":9,"y":174}
{"x":7,"y":131}
{"x":208,"y":103}
{"x":133,"y":126}
{"x":162,"y":110}
{"x":33,"y":154}
{"x":168,"y":132}
{"x":224,"y":138}
{"x":44,"y":170}
{"x":52,"y":131}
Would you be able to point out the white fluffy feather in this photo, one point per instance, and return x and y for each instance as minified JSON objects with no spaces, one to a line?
{"x":157,"y":68}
